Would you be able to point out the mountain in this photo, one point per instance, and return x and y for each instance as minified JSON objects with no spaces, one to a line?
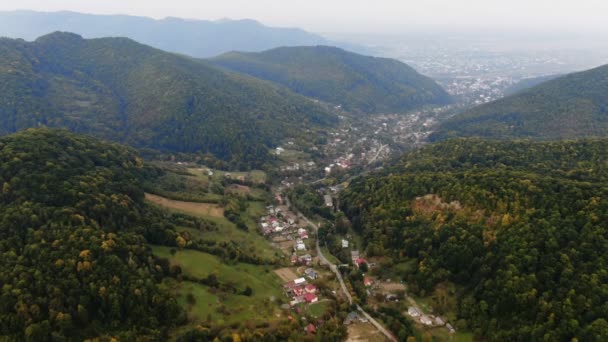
{"x":528,"y":83}
{"x":570,"y":106}
{"x":120,"y":90}
{"x":197,"y":38}
{"x":509,"y":237}
{"x":357,"y":82}
{"x":74,"y":261}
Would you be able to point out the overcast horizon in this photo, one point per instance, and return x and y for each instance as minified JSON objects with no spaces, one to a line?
{"x":359,"y":16}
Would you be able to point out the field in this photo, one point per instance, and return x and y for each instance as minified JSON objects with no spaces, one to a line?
{"x":286,"y":274}
{"x":192,"y":208}
{"x":364,"y":332}
{"x":255,"y":176}
{"x":221,"y":307}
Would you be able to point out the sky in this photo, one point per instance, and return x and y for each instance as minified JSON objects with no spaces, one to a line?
{"x":357,"y":16}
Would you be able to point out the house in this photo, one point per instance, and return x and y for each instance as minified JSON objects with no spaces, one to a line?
{"x":302,"y":230}
{"x":305,"y":259}
{"x":413,"y":312}
{"x":278,"y":229}
{"x":299,"y":281}
{"x":294,"y":258}
{"x":426,"y":320}
{"x":311,"y":298}
{"x":300,"y":245}
{"x":310,"y":288}
{"x":353,"y":316}
{"x":311,"y":329}
{"x":367,"y":281}
{"x":439,"y":321}
{"x":391,"y":297}
{"x":310,"y":273}
{"x":299,"y":291}
{"x":344,"y":243}
{"x":360,"y":261}
{"x":354,"y":255}
{"x":450,"y":328}
{"x":329,"y":202}
{"x":304,"y":236}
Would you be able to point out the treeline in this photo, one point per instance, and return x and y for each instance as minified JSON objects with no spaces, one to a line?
{"x":521,"y":226}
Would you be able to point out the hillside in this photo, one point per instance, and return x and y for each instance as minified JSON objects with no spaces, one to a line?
{"x":120,"y":90}
{"x":197,"y":38}
{"x":74,"y":263}
{"x":528,"y":83}
{"x":570,"y":106}
{"x":519,"y":227}
{"x":357,"y":82}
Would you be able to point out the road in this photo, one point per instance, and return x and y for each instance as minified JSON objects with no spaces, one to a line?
{"x":377,"y":154}
{"x":334,"y":269}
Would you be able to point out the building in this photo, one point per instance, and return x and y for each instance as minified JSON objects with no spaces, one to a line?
{"x":426,"y":320}
{"x":354,"y":256}
{"x":439,"y":321}
{"x":311,"y":298}
{"x":310,"y":288}
{"x":311,"y":329}
{"x":310,"y":273}
{"x":329,"y":202}
{"x":367,"y":281}
{"x":360,"y":261}
{"x":413,"y":312}
{"x":344,"y":243}
{"x":353,"y":316}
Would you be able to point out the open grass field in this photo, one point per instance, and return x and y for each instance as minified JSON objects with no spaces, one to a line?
{"x":193,"y":208}
{"x":319,"y":308}
{"x":261,"y":306}
{"x":255,"y":176}
{"x":364,"y":332}
{"x":286,"y":274}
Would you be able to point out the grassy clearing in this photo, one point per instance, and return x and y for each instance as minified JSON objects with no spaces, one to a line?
{"x":293,"y":156}
{"x":192,"y":208}
{"x":228,"y":308}
{"x":318,"y":309}
{"x":255,"y":176}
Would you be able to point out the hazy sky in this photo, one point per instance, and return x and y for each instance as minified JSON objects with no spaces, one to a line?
{"x":356,"y":16}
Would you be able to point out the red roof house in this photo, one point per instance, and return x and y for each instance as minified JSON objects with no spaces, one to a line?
{"x":311,"y":298}
{"x":311,"y":329}
{"x":310,"y":288}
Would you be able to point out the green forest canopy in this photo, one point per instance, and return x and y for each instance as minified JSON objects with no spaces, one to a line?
{"x":120,"y":90}
{"x":358,"y":83}
{"x":522,"y":226}
{"x":571,"y":106}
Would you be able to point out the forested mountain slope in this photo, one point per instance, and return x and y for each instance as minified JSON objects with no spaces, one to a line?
{"x":520,"y":226}
{"x":571,"y":106}
{"x":118,"y":89}
{"x":357,"y":82}
{"x":74,"y":263}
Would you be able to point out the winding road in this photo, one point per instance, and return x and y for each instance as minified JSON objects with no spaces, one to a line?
{"x":334,"y":269}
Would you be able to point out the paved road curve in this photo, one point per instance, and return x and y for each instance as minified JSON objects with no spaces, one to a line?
{"x":334,"y":269}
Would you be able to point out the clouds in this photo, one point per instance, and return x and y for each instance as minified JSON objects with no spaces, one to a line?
{"x":356,"y":15}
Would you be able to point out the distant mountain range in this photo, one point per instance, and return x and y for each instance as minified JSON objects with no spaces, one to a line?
{"x":571,"y":106}
{"x":357,"y":82}
{"x":120,"y":90}
{"x":197,"y":38}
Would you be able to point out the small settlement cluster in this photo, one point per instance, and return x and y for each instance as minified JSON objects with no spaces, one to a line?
{"x":282,"y":226}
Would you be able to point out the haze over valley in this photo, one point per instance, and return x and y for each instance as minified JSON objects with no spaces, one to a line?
{"x":306,"y":171}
